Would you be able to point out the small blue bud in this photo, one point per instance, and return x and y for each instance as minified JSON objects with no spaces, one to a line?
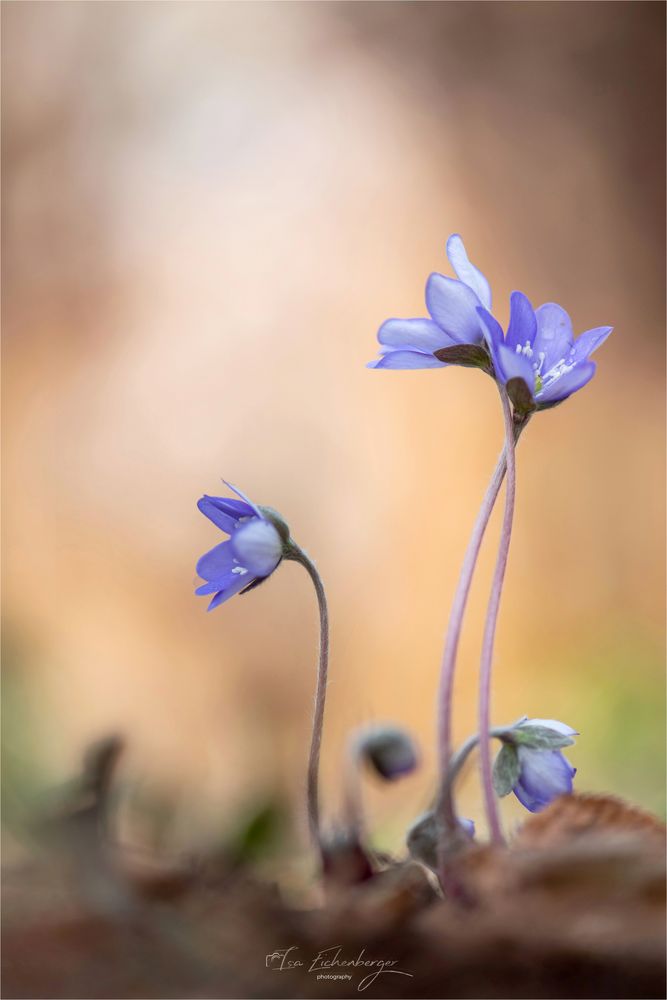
{"x":390,"y":751}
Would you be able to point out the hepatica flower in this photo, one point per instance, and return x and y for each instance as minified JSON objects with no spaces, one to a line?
{"x":531,"y":763}
{"x":539,"y":359}
{"x":453,"y":333}
{"x":257,"y":544}
{"x":259,"y":539}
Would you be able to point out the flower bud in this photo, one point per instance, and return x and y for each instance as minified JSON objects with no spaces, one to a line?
{"x":422,"y":838}
{"x":531,"y":765}
{"x":390,"y":751}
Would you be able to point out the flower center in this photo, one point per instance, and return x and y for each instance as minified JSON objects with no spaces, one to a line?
{"x":544,"y":379}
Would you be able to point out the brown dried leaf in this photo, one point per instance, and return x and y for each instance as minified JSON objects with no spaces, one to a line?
{"x":573,"y":817}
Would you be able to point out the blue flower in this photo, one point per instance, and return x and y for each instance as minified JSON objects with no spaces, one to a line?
{"x":543,"y":774}
{"x":257,"y":544}
{"x":454,"y":321}
{"x":541,"y":352}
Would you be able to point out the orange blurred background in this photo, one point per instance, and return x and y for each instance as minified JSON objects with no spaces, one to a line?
{"x":208,"y":211}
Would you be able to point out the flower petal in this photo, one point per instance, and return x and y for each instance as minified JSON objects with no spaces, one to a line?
{"x":467,"y":272}
{"x":413,"y":334}
{"x":510,"y":364}
{"x":257,"y":546}
{"x":554,"y":337}
{"x":233,"y":587}
{"x":224,"y":513}
{"x":493,"y":331}
{"x":590,"y":341}
{"x":243,"y":497}
{"x":545,"y":774}
{"x":523,"y":324}
{"x":453,"y":306}
{"x":533,"y":803}
{"x":558,"y":727}
{"x":564,"y":386}
{"x":406,"y":360}
{"x":216,"y":563}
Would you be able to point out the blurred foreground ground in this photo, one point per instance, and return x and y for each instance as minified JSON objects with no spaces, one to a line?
{"x":574,"y":907}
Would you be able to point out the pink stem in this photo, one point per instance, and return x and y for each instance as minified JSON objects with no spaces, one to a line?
{"x":486,"y":663}
{"x":445,"y":808}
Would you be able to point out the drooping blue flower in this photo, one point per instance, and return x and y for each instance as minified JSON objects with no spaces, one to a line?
{"x":454,"y":321}
{"x":543,"y":774}
{"x":254,"y":549}
{"x":541,"y":352}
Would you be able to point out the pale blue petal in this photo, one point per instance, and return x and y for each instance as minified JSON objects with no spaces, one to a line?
{"x":564,"y":386}
{"x":257,"y":546}
{"x":558,"y":727}
{"x":231,"y":588}
{"x":554,"y":337}
{"x":467,"y":272}
{"x":217,"y":562}
{"x":414,"y":334}
{"x":454,"y":308}
{"x":544,"y":775}
{"x":406,"y":360}
{"x":511,"y":364}
{"x":523,"y":323}
{"x":589,"y":342}
{"x":493,"y":331}
{"x":224,"y":513}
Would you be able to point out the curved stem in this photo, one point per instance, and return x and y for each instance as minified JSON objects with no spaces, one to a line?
{"x":464,"y":751}
{"x":445,"y":806}
{"x":486,"y":662}
{"x":312,"y":781}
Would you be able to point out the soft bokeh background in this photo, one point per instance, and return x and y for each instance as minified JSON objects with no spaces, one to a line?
{"x":208,"y":210}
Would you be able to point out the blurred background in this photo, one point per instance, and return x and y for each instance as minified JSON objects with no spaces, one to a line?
{"x":208,"y":211}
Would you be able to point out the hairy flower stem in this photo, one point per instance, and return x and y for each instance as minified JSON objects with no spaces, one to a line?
{"x":312,"y":781}
{"x":513,"y":426}
{"x":445,"y":805}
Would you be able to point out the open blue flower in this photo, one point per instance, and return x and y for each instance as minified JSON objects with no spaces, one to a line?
{"x":253,"y":551}
{"x":454,"y":321}
{"x":541,"y":352}
{"x":543,"y":774}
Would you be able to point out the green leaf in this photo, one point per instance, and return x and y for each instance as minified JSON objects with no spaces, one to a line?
{"x":466,"y":355}
{"x":540,"y":738}
{"x":521,"y":396}
{"x":506,"y":769}
{"x":258,"y":834}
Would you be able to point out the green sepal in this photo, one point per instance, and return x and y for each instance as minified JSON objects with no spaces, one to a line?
{"x":278,"y":522}
{"x":521,"y":397}
{"x":466,"y":355}
{"x":506,"y":768}
{"x":539,"y":738}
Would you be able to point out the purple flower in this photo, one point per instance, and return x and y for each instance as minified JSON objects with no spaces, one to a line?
{"x":454,"y":324}
{"x":539,"y":359}
{"x":257,"y":544}
{"x":544,"y":774}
